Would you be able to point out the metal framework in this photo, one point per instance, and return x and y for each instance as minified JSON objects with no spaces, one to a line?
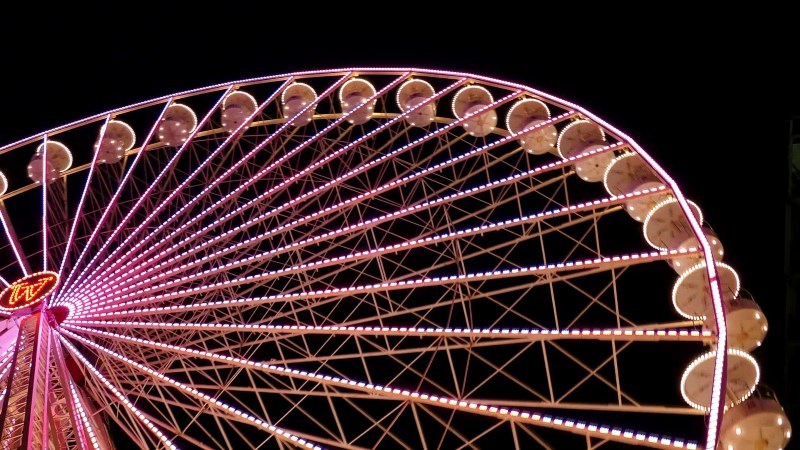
{"x":345,"y":283}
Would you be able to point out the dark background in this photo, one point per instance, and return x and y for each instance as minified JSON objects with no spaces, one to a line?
{"x":707,"y":93}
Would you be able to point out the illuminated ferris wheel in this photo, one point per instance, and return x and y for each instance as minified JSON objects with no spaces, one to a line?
{"x":366,"y":258}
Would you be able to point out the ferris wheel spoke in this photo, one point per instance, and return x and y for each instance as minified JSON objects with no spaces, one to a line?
{"x":309,"y":194}
{"x":272,"y":167}
{"x":453,"y":404}
{"x":359,"y":198}
{"x":128,"y":405}
{"x":111,"y":205}
{"x":164,"y":173}
{"x":44,"y":183}
{"x":211,"y":402}
{"x":641,"y":332}
{"x":406,"y":246}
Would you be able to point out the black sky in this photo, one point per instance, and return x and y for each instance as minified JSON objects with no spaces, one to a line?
{"x":707,"y":93}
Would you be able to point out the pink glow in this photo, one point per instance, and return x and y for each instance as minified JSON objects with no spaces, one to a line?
{"x":45,"y":181}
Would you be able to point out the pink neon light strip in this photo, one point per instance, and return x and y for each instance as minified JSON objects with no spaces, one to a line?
{"x":45,"y":181}
{"x":677,"y":334}
{"x":84,"y":419}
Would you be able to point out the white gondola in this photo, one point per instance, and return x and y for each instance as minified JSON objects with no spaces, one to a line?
{"x":757,"y":423}
{"x":411,"y":94}
{"x":581,"y":137}
{"x":59,"y":159}
{"x":528,"y":114}
{"x":682,"y":263}
{"x":697,"y":381}
{"x":178,"y":123}
{"x":115,"y":139}
{"x":691,"y":294}
{"x":666,"y":227}
{"x":237,"y":107}
{"x":354,"y":97}
{"x":747,"y":324}
{"x":466,"y":104}
{"x":3,"y":184}
{"x":296,"y":97}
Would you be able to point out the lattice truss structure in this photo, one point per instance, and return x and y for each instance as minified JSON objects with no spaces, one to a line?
{"x":362,"y":258}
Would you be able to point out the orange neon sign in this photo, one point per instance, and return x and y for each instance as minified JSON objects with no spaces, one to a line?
{"x":28,"y":291}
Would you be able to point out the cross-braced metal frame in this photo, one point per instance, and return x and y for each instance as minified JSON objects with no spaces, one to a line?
{"x":352,"y":284}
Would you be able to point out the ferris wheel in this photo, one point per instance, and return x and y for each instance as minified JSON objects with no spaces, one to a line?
{"x":366,"y":258}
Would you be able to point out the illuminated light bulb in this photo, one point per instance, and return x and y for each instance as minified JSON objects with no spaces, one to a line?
{"x":730,"y":446}
{"x":780,"y":420}
{"x":738,"y":431}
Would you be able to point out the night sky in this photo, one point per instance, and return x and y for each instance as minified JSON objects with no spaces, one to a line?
{"x":708,"y":95}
